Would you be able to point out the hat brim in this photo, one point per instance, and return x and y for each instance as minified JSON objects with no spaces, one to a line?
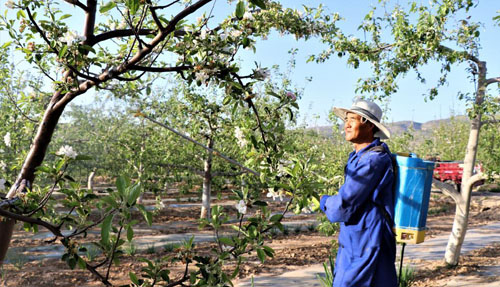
{"x":382,"y":133}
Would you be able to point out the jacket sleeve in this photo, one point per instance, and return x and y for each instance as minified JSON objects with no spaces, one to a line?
{"x":360,"y":183}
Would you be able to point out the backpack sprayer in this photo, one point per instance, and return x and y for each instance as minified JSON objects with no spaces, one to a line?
{"x":412,"y":193}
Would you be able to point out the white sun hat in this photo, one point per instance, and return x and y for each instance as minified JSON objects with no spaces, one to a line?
{"x":370,"y":111}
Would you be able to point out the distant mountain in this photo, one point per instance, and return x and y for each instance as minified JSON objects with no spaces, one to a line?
{"x":397,"y":128}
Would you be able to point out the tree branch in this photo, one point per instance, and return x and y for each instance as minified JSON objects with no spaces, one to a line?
{"x":494,"y":121}
{"x":216,"y":152}
{"x":165,"y":6}
{"x":120,"y":33}
{"x":449,"y":190}
{"x":492,"y":80}
{"x":141,"y":54}
{"x":31,"y":220}
{"x":77,"y":3}
{"x":40,"y":31}
{"x":473,"y":179}
{"x":466,"y":55}
{"x":160,"y":69}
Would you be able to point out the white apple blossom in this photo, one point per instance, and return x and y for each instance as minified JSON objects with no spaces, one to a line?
{"x":3,"y":165}
{"x":238,"y":133}
{"x":281,"y":170}
{"x":262,"y":73}
{"x":223,"y":36}
{"x":308,"y":209}
{"x":241,"y":206}
{"x":248,"y":16}
{"x":67,"y":151}
{"x":71,"y":37}
{"x":236,"y":33}
{"x":202,"y":76}
{"x":203,"y":34}
{"x":9,"y":4}
{"x":274,"y":194}
{"x":2,"y":184}
{"x":6,"y":139}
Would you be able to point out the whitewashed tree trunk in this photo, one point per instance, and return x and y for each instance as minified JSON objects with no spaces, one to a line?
{"x":90,"y":181}
{"x":207,"y":183}
{"x":460,"y":222}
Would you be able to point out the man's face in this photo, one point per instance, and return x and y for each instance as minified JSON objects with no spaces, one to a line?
{"x":355,"y":131}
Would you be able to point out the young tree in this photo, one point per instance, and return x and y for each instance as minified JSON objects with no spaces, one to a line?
{"x":403,"y":39}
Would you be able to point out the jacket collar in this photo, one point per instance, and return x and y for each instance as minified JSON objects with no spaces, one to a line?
{"x":354,"y":155}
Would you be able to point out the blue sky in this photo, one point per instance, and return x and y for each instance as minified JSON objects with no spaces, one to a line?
{"x":333,"y":83}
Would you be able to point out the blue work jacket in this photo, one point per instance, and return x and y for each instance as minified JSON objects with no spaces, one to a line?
{"x":367,"y":247}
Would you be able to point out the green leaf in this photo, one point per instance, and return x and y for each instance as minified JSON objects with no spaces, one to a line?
{"x":82,"y":263}
{"x":240,"y":9}
{"x":269,"y":251}
{"x":276,"y":217}
{"x":109,"y":200}
{"x":134,"y":193}
{"x":260,"y":203}
{"x":121,"y":184}
{"x":106,"y":227}
{"x":226,"y":100}
{"x":83,"y":157}
{"x":261,"y":254}
{"x":148,"y":216}
{"x":259,"y":3}
{"x":63,"y":51}
{"x":60,"y":164}
{"x":44,"y":168}
{"x":6,"y":44}
{"x":108,"y":6}
{"x":72,"y":263}
{"x":226,"y":241}
{"x":133,"y":278}
{"x":130,"y":233}
{"x":132,"y":5}
{"x":20,"y":14}
{"x":290,"y":113}
{"x":65,"y":16}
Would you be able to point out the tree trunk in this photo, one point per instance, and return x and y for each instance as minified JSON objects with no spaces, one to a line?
{"x":33,"y":160}
{"x":6,"y":228}
{"x":207,"y":183}
{"x":90,"y":181}
{"x":460,"y":222}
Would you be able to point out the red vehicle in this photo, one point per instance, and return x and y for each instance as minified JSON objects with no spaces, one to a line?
{"x":451,"y":171}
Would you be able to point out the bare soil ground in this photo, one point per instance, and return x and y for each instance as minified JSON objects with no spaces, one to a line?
{"x":292,"y":251}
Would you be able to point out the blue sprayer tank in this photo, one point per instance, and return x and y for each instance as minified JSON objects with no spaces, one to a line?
{"x":413,"y":188}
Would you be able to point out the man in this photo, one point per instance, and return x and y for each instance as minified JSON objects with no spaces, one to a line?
{"x":364,"y":205}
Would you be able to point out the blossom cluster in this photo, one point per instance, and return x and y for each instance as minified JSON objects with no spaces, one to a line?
{"x":262,"y":73}
{"x":9,"y":4}
{"x":71,"y":37}
{"x":274,"y":194}
{"x":241,"y":206}
{"x":67,"y":151}
{"x":6,"y":139}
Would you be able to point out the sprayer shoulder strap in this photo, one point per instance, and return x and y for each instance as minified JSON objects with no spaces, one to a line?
{"x":380,"y":148}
